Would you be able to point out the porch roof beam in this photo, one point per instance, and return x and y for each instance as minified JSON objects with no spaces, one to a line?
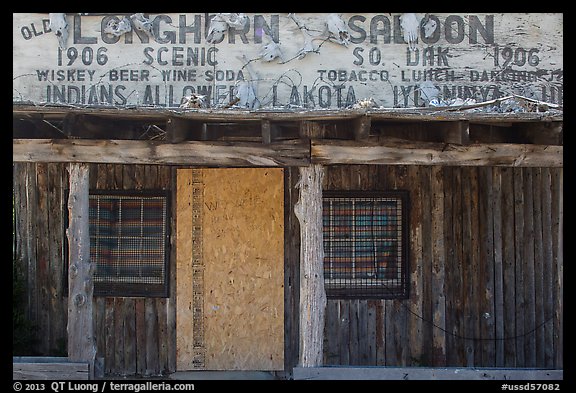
{"x":206,"y":153}
{"x":328,"y":152}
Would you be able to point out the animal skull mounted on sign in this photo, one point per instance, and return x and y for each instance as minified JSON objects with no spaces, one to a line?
{"x":337,"y":28}
{"x":142,"y":23}
{"x":218,"y":27}
{"x":117,"y":28}
{"x":59,"y":25}
{"x":410,"y":23}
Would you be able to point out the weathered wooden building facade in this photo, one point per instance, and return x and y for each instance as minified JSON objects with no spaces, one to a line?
{"x":230,"y":235}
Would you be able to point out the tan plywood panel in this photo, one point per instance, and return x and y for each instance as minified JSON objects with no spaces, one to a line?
{"x":184,"y":344}
{"x":243,"y":248}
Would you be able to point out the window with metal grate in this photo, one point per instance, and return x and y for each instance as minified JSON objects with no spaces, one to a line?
{"x":129,"y":243}
{"x":366,"y":244}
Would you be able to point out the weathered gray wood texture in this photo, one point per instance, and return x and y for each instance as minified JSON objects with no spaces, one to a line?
{"x":485,"y":259}
{"x":425,"y":374}
{"x":466,"y":55}
{"x":308,"y":210}
{"x":48,"y":368}
{"x":80,"y":328}
{"x":469,"y":241}
{"x":133,"y":335}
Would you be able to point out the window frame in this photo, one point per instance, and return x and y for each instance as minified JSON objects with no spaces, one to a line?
{"x":378,"y":292}
{"x":139,"y":289}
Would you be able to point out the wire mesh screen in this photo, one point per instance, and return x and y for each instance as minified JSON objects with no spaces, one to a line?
{"x":128,"y":244}
{"x":365,"y":238}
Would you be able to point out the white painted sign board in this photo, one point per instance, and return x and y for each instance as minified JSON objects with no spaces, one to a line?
{"x":398,"y":60}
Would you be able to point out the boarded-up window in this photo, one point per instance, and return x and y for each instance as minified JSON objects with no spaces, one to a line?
{"x":365,"y":244}
{"x":128,"y":243}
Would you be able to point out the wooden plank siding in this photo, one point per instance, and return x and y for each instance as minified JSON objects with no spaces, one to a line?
{"x":134,"y":336}
{"x":484,"y":274}
{"x":486,"y":265}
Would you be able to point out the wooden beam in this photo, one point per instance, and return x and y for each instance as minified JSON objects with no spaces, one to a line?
{"x":81,"y":338}
{"x":177,"y":129}
{"x":311,"y":129}
{"x":430,"y":153}
{"x":292,"y":153}
{"x":457,"y":132}
{"x":308,"y":210}
{"x":361,"y":127}
{"x":266,"y":131}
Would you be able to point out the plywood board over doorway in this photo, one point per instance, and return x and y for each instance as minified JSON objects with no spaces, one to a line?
{"x":239,"y":253}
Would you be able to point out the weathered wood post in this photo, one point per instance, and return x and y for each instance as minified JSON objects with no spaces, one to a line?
{"x":308,"y":210}
{"x":81,"y":339}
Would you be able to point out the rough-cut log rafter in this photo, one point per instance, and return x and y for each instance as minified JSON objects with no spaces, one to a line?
{"x":155,"y":152}
{"x":431,"y":153}
{"x":361,"y":127}
{"x":81,"y":338}
{"x":308,"y":210}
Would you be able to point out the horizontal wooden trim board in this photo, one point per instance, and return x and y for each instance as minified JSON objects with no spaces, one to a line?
{"x":425,"y":373}
{"x":154,"y":152}
{"x":48,"y":368}
{"x":295,"y":153}
{"x":433,"y":153}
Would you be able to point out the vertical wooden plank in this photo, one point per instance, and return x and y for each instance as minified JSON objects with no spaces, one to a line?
{"x":331,"y":342}
{"x":129,"y":310}
{"x":538,"y":268}
{"x":371,"y":332}
{"x":110,"y":350}
{"x":118,"y":172}
{"x":519,"y":264}
{"x":154,"y":178}
{"x":119,"y":336}
{"x":467,"y":262}
{"x":99,"y":302}
{"x":486,"y":286}
{"x":95,"y":182}
{"x":425,"y":183}
{"x":291,"y":278}
{"x":451,"y":262}
{"x":380,"y":334}
{"x":381,"y":174}
{"x":390,"y":315}
{"x":130,"y":344}
{"x":547,"y":268}
{"x":344,"y":331}
{"x":105,"y":181}
{"x":100,"y":176}
{"x":495,"y":206}
{"x":418,"y":356}
{"x":152,"y":338}
{"x":171,"y":301}
{"x":363,"y":344}
{"x":558,"y":261}
{"x":509,"y":265}
{"x":402,"y":343}
{"x":438,"y":273}
{"x":81,"y":342}
{"x":31,"y":236}
{"x":308,"y":210}
{"x":355,"y":332}
{"x":139,"y":309}
{"x":42,"y":260}
{"x":161,"y":309}
{"x":55,"y":240}
{"x":475,"y":284}
{"x":184,"y":229}
{"x":529,"y":280}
